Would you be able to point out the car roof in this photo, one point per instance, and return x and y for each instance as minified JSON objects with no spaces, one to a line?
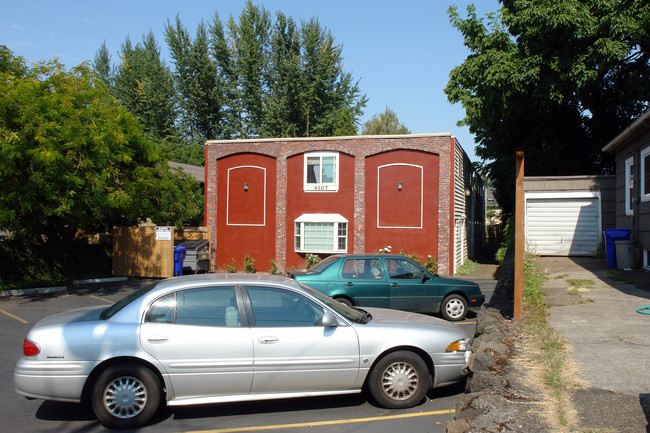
{"x":223,"y":277}
{"x":366,"y":255}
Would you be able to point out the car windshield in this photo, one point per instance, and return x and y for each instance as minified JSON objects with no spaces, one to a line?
{"x":323,"y":264}
{"x":110,"y":311}
{"x":352,"y":314}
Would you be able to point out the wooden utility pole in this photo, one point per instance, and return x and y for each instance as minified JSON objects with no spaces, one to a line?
{"x":519,"y":237}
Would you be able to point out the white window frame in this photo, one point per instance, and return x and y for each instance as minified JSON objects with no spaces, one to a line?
{"x":645,"y":195}
{"x":320,"y":186}
{"x":629,"y":186}
{"x":339,"y":223}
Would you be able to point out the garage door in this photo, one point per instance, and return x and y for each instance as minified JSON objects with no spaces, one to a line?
{"x":563,"y":226}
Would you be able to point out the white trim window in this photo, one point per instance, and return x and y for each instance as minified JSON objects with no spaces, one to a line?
{"x":644,"y":179}
{"x":629,"y":186}
{"x":321,"y":233}
{"x":321,"y":172}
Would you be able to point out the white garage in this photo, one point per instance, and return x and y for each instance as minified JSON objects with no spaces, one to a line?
{"x":563,"y":224}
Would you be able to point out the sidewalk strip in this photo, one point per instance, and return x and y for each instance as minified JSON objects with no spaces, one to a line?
{"x":12,"y":316}
{"x":325,"y":423}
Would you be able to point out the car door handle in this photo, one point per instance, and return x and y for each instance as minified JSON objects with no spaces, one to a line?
{"x":394,"y":285}
{"x":157,"y":339}
{"x":349,"y":284}
{"x":268,"y":340}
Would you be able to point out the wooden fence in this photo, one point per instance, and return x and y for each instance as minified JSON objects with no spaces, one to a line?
{"x":148,"y":251}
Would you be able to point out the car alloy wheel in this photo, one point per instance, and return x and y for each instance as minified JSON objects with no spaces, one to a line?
{"x":126,"y":396}
{"x":399,"y":380}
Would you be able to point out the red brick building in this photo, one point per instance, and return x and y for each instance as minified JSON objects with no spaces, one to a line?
{"x":281,"y":199}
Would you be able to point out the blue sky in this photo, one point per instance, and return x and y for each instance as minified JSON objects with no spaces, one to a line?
{"x":401,"y":50}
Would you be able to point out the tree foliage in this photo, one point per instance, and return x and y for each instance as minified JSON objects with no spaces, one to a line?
{"x":385,"y":123}
{"x":248,"y":77}
{"x":557,"y":79}
{"x":72,"y":158}
{"x":144,"y":85}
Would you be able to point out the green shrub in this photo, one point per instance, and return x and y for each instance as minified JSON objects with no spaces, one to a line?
{"x":231,"y":268}
{"x":508,"y":244}
{"x":312,"y":259}
{"x":467,"y":267}
{"x":249,"y":264}
{"x":25,"y":264}
{"x":274,"y":269}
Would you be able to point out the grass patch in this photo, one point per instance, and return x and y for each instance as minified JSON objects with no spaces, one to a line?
{"x":561,"y":277}
{"x":467,"y":267}
{"x":548,"y":349}
{"x":573,"y":291}
{"x":616,"y":276}
{"x":579,"y":284}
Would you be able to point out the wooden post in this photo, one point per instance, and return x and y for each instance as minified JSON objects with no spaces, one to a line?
{"x":519,"y":237}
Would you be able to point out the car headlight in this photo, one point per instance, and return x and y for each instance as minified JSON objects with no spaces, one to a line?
{"x":459,"y":345}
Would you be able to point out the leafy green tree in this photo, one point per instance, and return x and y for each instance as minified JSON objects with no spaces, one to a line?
{"x":385,"y":123}
{"x":556,"y":79}
{"x":11,"y":64}
{"x":72,"y":158}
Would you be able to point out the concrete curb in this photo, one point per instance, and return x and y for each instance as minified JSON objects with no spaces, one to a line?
{"x":36,"y":291}
{"x":57,"y":289}
{"x":100,"y":280}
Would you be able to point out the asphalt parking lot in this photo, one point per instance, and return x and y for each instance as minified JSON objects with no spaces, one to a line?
{"x":342,"y":413}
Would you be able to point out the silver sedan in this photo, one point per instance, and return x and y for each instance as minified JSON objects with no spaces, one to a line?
{"x":231,"y":337}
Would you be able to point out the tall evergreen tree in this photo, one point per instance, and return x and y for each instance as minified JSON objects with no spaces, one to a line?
{"x":103,"y":67}
{"x":283,"y":106}
{"x":251,"y":77}
{"x":253,"y":46}
{"x":197,"y":81}
{"x":144,"y":84}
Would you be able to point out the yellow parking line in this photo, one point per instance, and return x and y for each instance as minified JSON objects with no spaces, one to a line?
{"x":12,"y":316}
{"x":324,"y":423}
{"x":467,"y":322}
{"x":93,"y":296}
{"x":100,"y":299}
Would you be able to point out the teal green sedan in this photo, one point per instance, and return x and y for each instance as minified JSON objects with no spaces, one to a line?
{"x":390,"y":281}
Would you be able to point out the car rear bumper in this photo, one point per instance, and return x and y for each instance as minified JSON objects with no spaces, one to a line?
{"x":51,"y":380}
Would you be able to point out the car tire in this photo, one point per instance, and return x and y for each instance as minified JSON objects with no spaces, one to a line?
{"x":126,"y":396}
{"x":454,"y":308}
{"x":399,"y":380}
{"x":345,"y":301}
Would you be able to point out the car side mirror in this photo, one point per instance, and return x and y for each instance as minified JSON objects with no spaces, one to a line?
{"x":329,"y":319}
{"x":425,"y":278}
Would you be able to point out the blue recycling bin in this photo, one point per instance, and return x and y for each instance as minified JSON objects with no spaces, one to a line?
{"x":179,"y":256}
{"x":611,"y":236}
